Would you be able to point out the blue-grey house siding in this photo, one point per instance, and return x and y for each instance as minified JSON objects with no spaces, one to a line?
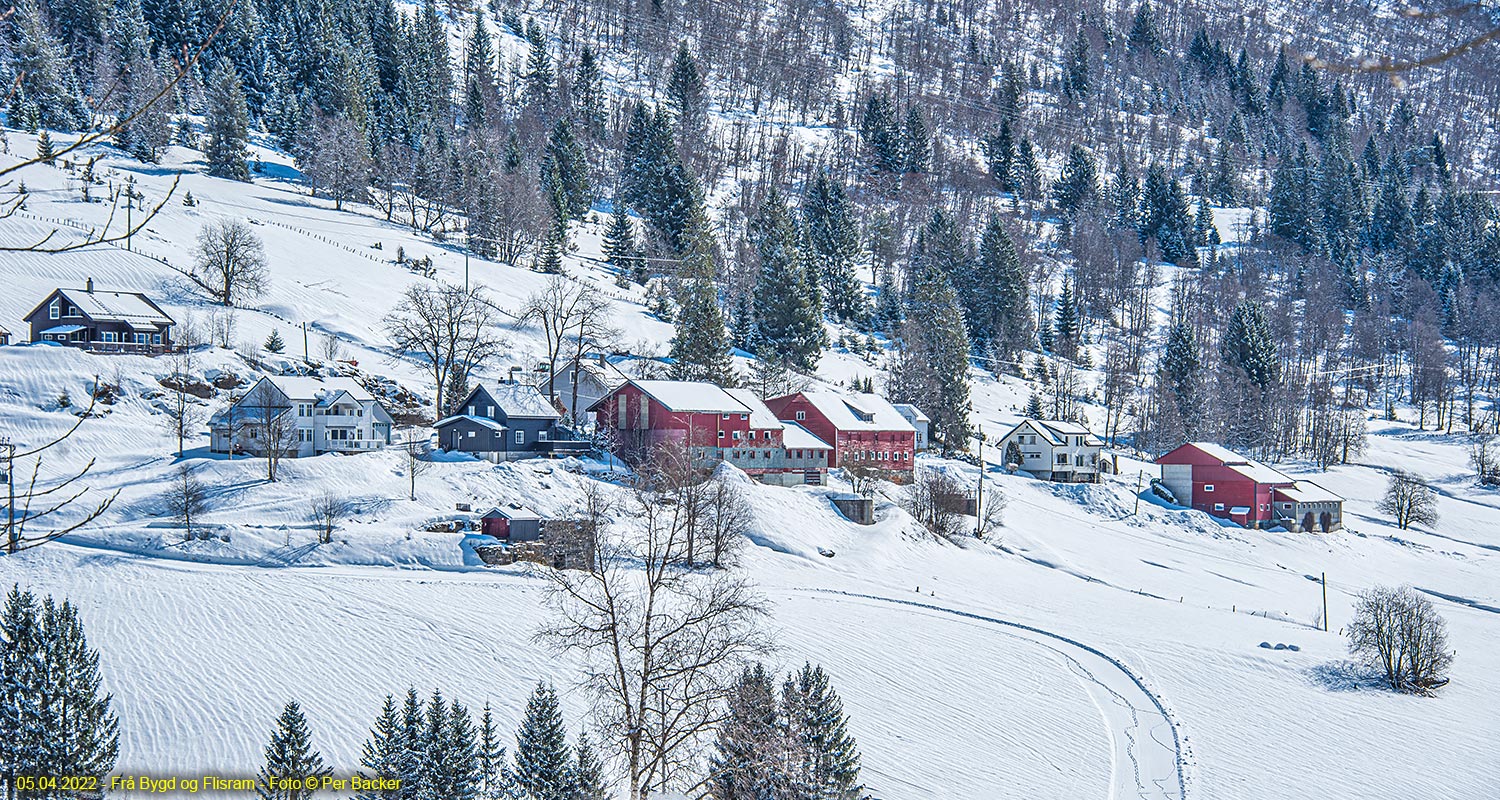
{"x":513,"y":421}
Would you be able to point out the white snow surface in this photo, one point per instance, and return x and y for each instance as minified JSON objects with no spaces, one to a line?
{"x":1099,"y":644}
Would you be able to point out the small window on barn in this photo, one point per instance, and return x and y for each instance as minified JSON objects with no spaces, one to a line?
{"x":1208,"y":487}
{"x":801,"y":415}
{"x":471,"y":434}
{"x":744,"y":416}
{"x":489,"y":411}
{"x":721,"y":434}
{"x":1218,"y":506}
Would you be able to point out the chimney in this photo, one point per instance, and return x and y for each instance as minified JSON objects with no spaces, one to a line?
{"x":600,"y":357}
{"x":88,"y":285}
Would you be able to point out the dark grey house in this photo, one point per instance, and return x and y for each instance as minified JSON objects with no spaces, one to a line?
{"x":126,"y":322}
{"x":507,"y":421}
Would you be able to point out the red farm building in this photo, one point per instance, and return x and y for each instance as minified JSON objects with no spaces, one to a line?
{"x":863,"y":428}
{"x":1217,"y":481}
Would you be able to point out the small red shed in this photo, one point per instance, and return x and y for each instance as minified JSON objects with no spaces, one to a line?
{"x":511,"y":523}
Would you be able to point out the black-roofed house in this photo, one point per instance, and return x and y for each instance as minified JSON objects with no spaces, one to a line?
{"x":507,"y":421}
{"x":101,"y":320}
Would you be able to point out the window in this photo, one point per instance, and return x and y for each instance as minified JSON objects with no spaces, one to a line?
{"x":721,"y":434}
{"x":111,"y":336}
{"x":1078,"y":460}
{"x":471,"y":411}
{"x":471,"y":434}
{"x":726,"y":416}
{"x":801,"y":415}
{"x":489,"y":411}
{"x":520,"y":437}
{"x":140,"y":338}
{"x":1218,"y":506}
{"x":1062,"y":458}
{"x":541,"y":436}
{"x":744,"y":416}
{"x":53,"y":310}
{"x":1208,"y":487}
{"x":736,"y":435}
{"x":156,"y":338}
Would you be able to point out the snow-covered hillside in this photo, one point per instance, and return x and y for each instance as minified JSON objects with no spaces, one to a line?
{"x":1098,"y":644}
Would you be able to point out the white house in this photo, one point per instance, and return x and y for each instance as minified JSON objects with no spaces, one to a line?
{"x":582,"y":382}
{"x":917,"y":419}
{"x":1053,"y":450}
{"x":302,"y":416}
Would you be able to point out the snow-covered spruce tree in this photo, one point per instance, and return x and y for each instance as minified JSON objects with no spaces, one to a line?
{"x":228,"y":124}
{"x":387,"y":753}
{"x":1181,"y":369}
{"x":1075,"y":189}
{"x":274,"y":342}
{"x":588,"y":94}
{"x":1293,"y":202}
{"x":1027,"y":171}
{"x":290,"y":758}
{"x":479,"y":72}
{"x":825,"y":764}
{"x":1000,"y":154}
{"x":565,"y":173}
{"x":450,"y":760}
{"x":930,"y":366}
{"x":700,"y":344}
{"x":1145,"y":36}
{"x":490,"y":759}
{"x":1076,"y":84}
{"x":53,"y":720}
{"x":539,"y":74}
{"x":143,"y":118}
{"x":999,"y":317}
{"x":1249,"y":346}
{"x":1034,"y":407}
{"x":833,"y":247}
{"x":619,"y":243}
{"x":687,"y":94}
{"x":881,"y":134}
{"x":543,"y":760}
{"x":787,"y":315}
{"x":916,"y":142}
{"x":45,"y":93}
{"x":588,"y":772}
{"x":1165,"y":217}
{"x":749,"y":759}
{"x":653,"y":179}
{"x":1065,"y":322}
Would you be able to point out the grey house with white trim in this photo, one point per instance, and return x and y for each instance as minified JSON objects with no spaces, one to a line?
{"x":301,"y":416}
{"x":100,"y":320}
{"x":507,"y":421}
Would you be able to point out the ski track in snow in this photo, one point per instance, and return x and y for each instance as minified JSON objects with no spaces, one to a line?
{"x":1145,"y":763}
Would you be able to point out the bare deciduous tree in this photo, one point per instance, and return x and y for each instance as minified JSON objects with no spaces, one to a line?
{"x":661,"y":643}
{"x":727,"y":518}
{"x":187,"y":498}
{"x":1409,"y":500}
{"x":1398,"y":632}
{"x":184,"y":412}
{"x":450,"y":327}
{"x":222,"y":327}
{"x":230,"y":262}
{"x":327,"y":511}
{"x":270,"y":429}
{"x":570,"y":315}
{"x":936,"y":500}
{"x":1484,"y":459}
{"x":413,"y":452}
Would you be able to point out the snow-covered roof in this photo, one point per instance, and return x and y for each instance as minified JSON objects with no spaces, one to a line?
{"x":692,"y":396}
{"x":323,"y":391}
{"x":796,"y":437}
{"x":911,"y":412}
{"x":477,"y":420}
{"x":1308,"y":492}
{"x":1244,"y":465}
{"x":511,"y":512}
{"x":857,"y":411}
{"x":520,"y":400}
{"x":129,"y":307}
{"x":1057,"y":431}
{"x":63,"y":329}
{"x":602,"y":369}
{"x":760,"y":416}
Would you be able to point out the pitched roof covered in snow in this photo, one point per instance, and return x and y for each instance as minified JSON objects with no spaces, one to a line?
{"x":601,"y":368}
{"x":485,"y":422}
{"x":519,"y":400}
{"x":1056,"y":431}
{"x":1307,"y":492}
{"x":857,"y":411}
{"x":796,"y":437}
{"x":131,"y":308}
{"x":512,"y":512}
{"x":323,"y":391}
{"x":692,"y":396}
{"x":911,"y":412}
{"x":1244,"y":465}
{"x":760,"y":414}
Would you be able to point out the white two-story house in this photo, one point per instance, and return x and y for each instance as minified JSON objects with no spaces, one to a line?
{"x":1053,"y":450}
{"x":302,"y":416}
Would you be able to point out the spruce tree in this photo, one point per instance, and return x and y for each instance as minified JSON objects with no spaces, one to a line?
{"x":386,"y":752}
{"x":1144,"y":35}
{"x":490,"y":762}
{"x":588,"y":94}
{"x":930,"y":366}
{"x":1076,"y":82}
{"x":916,"y":142}
{"x":700,"y":344}
{"x":1076,"y":187}
{"x":1249,"y":346}
{"x":1065,"y":322}
{"x":827,"y":762}
{"x":274,"y":342}
{"x":45,"y":152}
{"x":228,"y":124}
{"x":479,"y":72}
{"x":686,"y":92}
{"x":749,"y":753}
{"x":833,"y":239}
{"x":45,"y":94}
{"x":1181,"y":366}
{"x":1165,"y":216}
{"x":881,"y":134}
{"x":1034,"y":407}
{"x":1028,"y":173}
{"x":565,"y":173}
{"x":554,"y":244}
{"x":1000,"y":154}
{"x":543,"y":760}
{"x":999,"y":319}
{"x":619,"y":241}
{"x":588,"y":773}
{"x":539,"y":75}
{"x":787,"y":315}
{"x":290,"y":759}
{"x":1293,"y":201}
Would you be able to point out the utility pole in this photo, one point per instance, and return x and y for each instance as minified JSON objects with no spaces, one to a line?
{"x":12,"y":536}
{"x":1138,"y":475}
{"x":979,"y":494}
{"x":1323,"y":579}
{"x":304,"y":344}
{"x":466,"y":270}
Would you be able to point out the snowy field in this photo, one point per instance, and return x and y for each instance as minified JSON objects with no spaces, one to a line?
{"x":1087,"y":650}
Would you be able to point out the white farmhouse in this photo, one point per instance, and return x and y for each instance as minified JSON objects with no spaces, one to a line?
{"x":1053,"y":450}
{"x":918,"y":420}
{"x":301,"y":416}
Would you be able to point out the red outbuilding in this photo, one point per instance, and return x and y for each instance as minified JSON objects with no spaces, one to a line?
{"x":1215,"y":480}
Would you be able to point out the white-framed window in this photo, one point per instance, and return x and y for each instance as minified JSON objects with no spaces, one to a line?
{"x":489,"y":411}
{"x":470,"y":434}
{"x":1208,"y":487}
{"x":111,"y":336}
{"x":54,"y":310}
{"x":801,"y":415}
{"x":744,"y":416}
{"x":156,"y":338}
{"x":471,"y":411}
{"x":737,"y":435}
{"x":721,"y":434}
{"x":726,"y":416}
{"x":520,"y":437}
{"x":1062,"y":458}
{"x":541,"y":435}
{"x":1218,"y":506}
{"x":140,"y":338}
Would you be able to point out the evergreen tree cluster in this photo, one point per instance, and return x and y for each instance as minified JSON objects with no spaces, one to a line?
{"x":898,"y":142}
{"x":54,"y":720}
{"x":791,"y":745}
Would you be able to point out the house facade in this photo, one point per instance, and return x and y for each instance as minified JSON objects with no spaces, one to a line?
{"x":1053,"y":450}
{"x":1224,"y":484}
{"x":919,"y":422}
{"x":511,"y":523}
{"x":100,"y":320}
{"x":301,"y":416}
{"x":581,"y":382}
{"x":505,"y":422}
{"x":863,"y":429}
{"x":714,"y":425}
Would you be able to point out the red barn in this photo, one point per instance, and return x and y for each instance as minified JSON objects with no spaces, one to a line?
{"x":1215,"y":480}
{"x":863,"y":428}
{"x":714,"y":425}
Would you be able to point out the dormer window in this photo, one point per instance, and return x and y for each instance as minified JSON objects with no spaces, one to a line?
{"x":54,"y":311}
{"x":801,"y":415}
